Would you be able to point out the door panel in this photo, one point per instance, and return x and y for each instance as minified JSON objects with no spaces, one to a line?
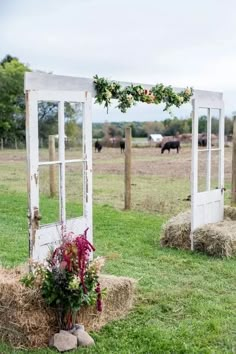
{"x":207,"y":198}
{"x":45,"y":236}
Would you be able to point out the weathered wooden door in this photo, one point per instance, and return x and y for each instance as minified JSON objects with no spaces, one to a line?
{"x":207,"y":197}
{"x":43,"y":237}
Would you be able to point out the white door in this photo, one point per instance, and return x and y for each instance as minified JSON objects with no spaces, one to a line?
{"x":207,"y":195}
{"x":43,"y":237}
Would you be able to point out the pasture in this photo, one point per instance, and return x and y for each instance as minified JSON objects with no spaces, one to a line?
{"x":160,"y":182}
{"x":185,"y":302}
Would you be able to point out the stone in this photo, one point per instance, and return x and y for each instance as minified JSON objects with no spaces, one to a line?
{"x":79,"y":326}
{"x":83,"y":338}
{"x":76,"y":327}
{"x":64,"y":341}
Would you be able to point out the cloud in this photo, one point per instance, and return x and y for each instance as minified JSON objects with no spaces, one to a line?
{"x":174,"y":42}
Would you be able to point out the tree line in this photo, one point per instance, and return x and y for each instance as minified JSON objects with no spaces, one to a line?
{"x":167,"y":127}
{"x":12,"y":115}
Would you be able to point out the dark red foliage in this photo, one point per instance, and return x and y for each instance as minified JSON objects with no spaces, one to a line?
{"x":84,"y":247}
{"x":73,"y":255}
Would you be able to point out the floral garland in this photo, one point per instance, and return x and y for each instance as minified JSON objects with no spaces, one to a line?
{"x":129,"y":95}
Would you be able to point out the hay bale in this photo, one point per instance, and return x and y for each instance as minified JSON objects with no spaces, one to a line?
{"x":116,"y":304}
{"x":229,"y":212}
{"x":216,"y":239}
{"x":176,"y":232}
{"x":25,"y":321}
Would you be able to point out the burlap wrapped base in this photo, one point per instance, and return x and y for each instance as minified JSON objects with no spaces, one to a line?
{"x":25,"y":321}
{"x":213,"y":239}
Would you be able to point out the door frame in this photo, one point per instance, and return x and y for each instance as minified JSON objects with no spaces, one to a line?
{"x":79,"y":224}
{"x":200,"y":214}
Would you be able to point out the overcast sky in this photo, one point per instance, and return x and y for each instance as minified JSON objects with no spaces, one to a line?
{"x":179,"y":43}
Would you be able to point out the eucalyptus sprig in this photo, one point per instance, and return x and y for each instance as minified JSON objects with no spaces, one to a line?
{"x":106,"y":91}
{"x":129,"y":95}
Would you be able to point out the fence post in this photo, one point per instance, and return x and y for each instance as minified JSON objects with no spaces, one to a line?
{"x":127,"y":168}
{"x":2,"y":145}
{"x":52,"y":168}
{"x":233,"y":184}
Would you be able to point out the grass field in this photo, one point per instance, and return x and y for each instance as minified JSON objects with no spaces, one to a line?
{"x":185,"y":302}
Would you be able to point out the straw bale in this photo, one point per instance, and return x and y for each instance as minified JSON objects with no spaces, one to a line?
{"x":25,"y":321}
{"x":116,"y":304}
{"x":176,"y":232}
{"x":229,"y":212}
{"x":217,"y":239}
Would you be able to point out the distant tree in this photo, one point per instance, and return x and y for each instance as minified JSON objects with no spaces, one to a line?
{"x":173,"y":127}
{"x":202,"y":124}
{"x":7,"y":59}
{"x":73,"y":123}
{"x":228,"y":126}
{"x":111,"y":130}
{"x":133,"y":130}
{"x":153,"y":127}
{"x":12,"y":103}
{"x":98,"y":134}
{"x":140,"y":131}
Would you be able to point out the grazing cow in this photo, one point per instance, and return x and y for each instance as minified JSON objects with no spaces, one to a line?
{"x":98,"y":146}
{"x":171,"y":145}
{"x":202,"y":141}
{"x":122,"y":146}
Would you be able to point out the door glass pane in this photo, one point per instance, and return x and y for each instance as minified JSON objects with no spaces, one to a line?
{"x":202,"y":128}
{"x":202,"y":171}
{"x":215,"y":119}
{"x":73,"y":130}
{"x":48,"y":194}
{"x":48,"y":130}
{"x":74,"y":189}
{"x":202,"y":145}
{"x":215,"y":161}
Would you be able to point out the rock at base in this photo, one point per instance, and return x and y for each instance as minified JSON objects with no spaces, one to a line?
{"x":83,"y":338}
{"x":76,"y":327}
{"x":64,"y":341}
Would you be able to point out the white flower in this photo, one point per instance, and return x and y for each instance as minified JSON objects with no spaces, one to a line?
{"x":74,"y":283}
{"x":140,"y":91}
{"x":188,"y":91}
{"x":129,"y":98}
{"x":97,"y":264}
{"x":108,"y":94}
{"x":181,"y":99}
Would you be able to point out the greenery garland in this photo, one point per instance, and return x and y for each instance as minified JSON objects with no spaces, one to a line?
{"x":129,"y":95}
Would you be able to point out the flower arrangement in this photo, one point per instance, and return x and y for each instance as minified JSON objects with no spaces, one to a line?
{"x":129,"y":95}
{"x":68,"y":280}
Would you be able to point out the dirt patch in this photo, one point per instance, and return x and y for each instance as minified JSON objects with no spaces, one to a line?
{"x":145,"y":161}
{"x":150,"y":161}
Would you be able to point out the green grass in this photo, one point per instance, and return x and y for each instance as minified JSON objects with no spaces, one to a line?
{"x":185,"y":302}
